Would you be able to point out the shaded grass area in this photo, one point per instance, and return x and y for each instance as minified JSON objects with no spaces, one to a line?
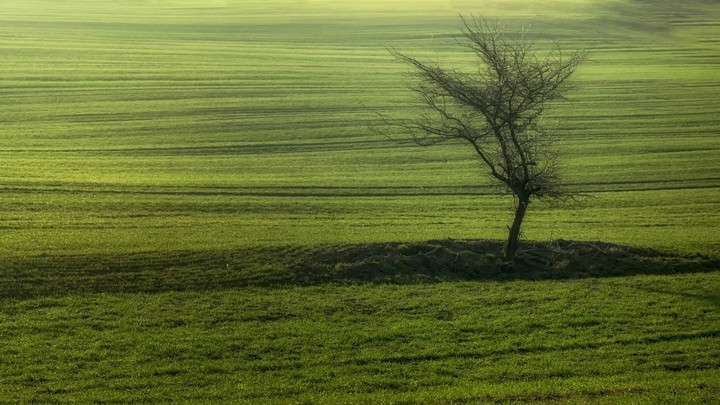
{"x":641,"y":339}
{"x":399,"y":263}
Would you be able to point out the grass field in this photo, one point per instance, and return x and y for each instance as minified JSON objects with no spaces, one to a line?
{"x":155,"y":126}
{"x":648,"y":339}
{"x":160,"y":141}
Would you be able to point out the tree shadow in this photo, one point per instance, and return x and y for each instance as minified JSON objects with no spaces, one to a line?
{"x":379,"y":263}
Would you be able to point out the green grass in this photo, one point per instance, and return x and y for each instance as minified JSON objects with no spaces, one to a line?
{"x":135,"y":126}
{"x":168,"y":167}
{"x":646,"y":339}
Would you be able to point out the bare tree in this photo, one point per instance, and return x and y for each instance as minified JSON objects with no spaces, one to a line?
{"x":497,"y":110}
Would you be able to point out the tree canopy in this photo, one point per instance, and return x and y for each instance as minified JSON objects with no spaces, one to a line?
{"x":497,"y":109}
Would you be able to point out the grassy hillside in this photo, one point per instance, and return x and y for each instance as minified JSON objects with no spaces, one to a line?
{"x":193,"y":208}
{"x":155,"y":126}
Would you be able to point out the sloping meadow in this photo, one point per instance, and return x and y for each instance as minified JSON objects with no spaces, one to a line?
{"x":133,"y":126}
{"x":195,"y":208}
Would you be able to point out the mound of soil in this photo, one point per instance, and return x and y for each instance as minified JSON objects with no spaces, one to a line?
{"x":449,"y":260}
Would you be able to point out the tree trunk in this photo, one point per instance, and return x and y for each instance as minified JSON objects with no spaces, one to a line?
{"x":512,"y":242}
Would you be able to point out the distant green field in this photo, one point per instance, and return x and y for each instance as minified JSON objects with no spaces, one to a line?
{"x":166,"y":125}
{"x":157,"y":143}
